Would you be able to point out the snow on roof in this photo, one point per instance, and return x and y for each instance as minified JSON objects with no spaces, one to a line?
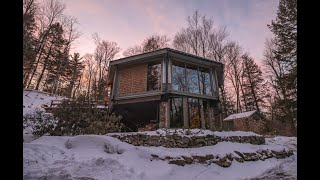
{"x":239,"y":115}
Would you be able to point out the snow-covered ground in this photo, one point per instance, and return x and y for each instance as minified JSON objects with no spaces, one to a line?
{"x":33,"y":100}
{"x":85,"y":156}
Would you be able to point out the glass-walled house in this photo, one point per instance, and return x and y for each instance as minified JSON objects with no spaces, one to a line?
{"x":169,"y":88}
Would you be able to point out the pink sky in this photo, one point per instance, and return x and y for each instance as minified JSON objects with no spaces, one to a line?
{"x":128,"y":22}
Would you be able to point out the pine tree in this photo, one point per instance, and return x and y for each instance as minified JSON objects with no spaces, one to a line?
{"x":53,"y":55}
{"x":29,"y":40}
{"x":252,"y":84}
{"x":281,"y":60}
{"x":76,"y":67}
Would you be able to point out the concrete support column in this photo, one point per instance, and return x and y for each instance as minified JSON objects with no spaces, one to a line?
{"x":167,"y":114}
{"x":185,"y":112}
{"x":164,"y":115}
{"x":219,"y":118}
{"x":211,"y":118}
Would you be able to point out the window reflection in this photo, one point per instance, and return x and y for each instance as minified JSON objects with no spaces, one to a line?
{"x":176,"y":113}
{"x":192,"y":79}
{"x":205,"y":85}
{"x":154,"y":77}
{"x":178,"y":77}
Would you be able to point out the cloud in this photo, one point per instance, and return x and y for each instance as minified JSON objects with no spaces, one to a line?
{"x":85,"y":7}
{"x":128,"y":22}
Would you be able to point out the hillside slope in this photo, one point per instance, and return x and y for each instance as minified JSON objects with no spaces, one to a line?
{"x":102,"y":157}
{"x":33,"y":100}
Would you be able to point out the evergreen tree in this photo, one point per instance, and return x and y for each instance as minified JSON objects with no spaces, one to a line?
{"x":53,"y":55}
{"x":76,"y":66}
{"x":252,"y":84}
{"x":29,"y":40}
{"x":281,"y":61}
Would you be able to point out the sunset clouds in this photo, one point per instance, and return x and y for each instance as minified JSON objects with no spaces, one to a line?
{"x":128,"y":22}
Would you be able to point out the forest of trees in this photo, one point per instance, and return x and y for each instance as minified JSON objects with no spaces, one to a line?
{"x":48,"y":65}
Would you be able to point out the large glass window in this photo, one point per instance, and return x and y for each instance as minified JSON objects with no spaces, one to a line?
{"x":192,"y":79}
{"x":194,"y":113}
{"x":178,"y":77}
{"x":176,"y":113}
{"x":205,"y":85}
{"x":154,"y":77}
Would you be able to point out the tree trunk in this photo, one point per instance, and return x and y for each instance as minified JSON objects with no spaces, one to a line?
{"x":244,"y":96}
{"x":40,"y":77}
{"x":38,"y":54}
{"x":88,"y":92}
{"x":43,"y":69}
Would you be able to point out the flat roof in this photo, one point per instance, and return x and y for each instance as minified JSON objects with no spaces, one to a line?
{"x":161,"y":52}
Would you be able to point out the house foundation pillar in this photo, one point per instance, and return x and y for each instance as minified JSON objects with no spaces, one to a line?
{"x":211,"y":118}
{"x":164,"y":115}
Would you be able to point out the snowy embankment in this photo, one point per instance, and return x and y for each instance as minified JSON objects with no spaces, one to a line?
{"x":104,"y":157}
{"x":33,"y":100}
{"x":191,"y":132}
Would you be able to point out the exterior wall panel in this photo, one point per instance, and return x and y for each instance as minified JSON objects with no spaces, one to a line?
{"x":132,"y":80}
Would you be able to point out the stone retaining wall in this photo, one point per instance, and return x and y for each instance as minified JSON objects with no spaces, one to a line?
{"x":226,"y":160}
{"x":176,"y":141}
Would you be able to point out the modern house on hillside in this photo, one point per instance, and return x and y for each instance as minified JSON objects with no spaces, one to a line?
{"x":165,"y":88}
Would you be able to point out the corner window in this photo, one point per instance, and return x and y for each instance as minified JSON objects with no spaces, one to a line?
{"x":192,"y":79}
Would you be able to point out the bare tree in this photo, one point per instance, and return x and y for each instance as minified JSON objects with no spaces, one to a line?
{"x":134,"y":50}
{"x":218,"y":44}
{"x":233,"y":66}
{"x":202,"y":38}
{"x":90,"y":70}
{"x":105,"y":51}
{"x":151,"y":43}
{"x":284,"y":97}
{"x":155,"y":42}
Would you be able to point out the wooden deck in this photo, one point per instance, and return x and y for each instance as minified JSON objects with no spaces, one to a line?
{"x":55,"y":105}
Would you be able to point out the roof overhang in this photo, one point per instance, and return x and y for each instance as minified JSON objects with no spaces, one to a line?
{"x":171,"y":52}
{"x":175,"y":54}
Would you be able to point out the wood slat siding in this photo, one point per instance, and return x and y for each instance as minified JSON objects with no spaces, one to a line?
{"x":132,"y":80}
